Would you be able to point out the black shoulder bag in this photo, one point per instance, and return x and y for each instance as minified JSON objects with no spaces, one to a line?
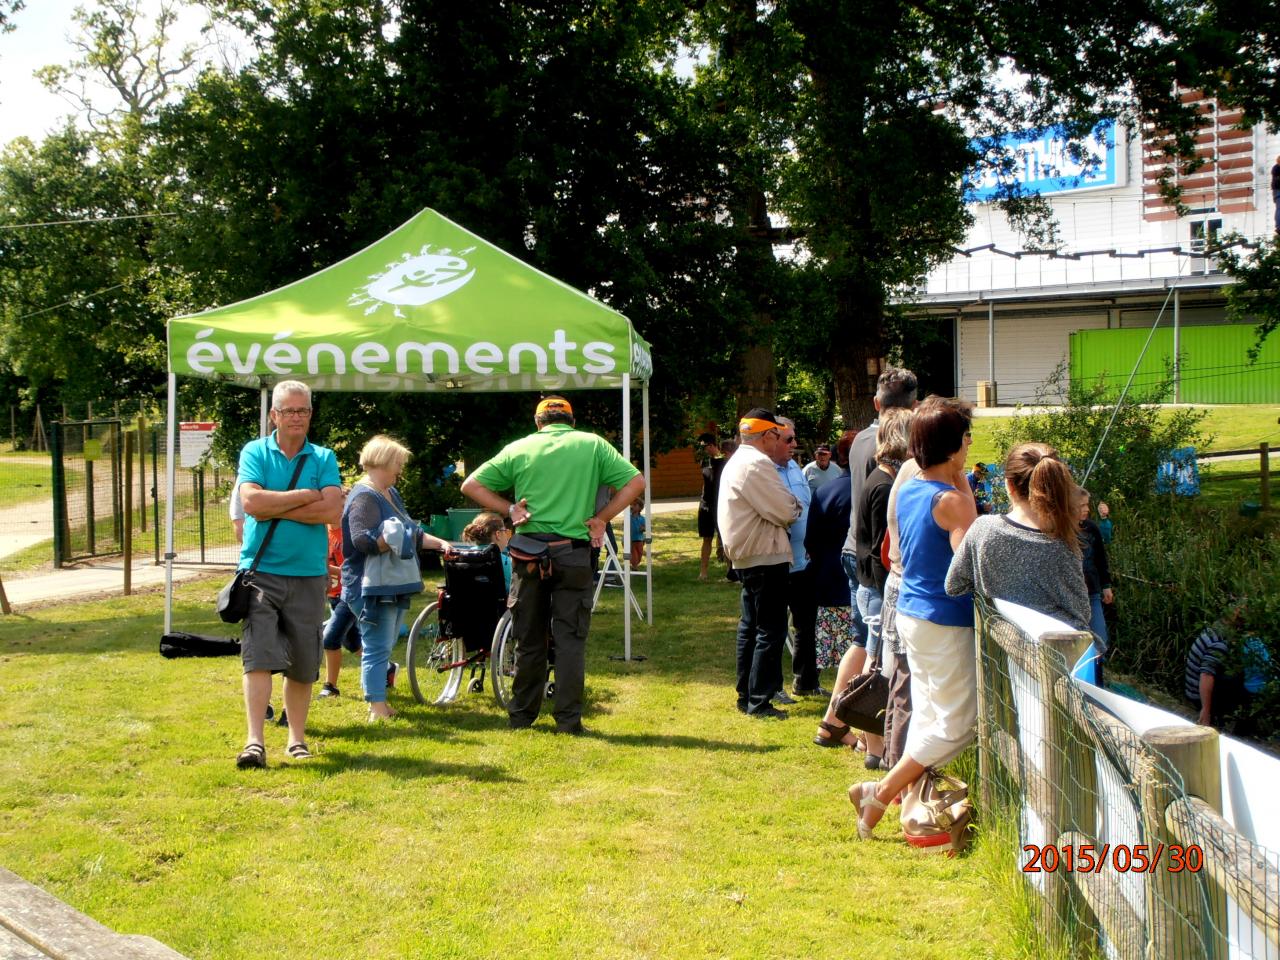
{"x":863,"y":701}
{"x":233,"y":599}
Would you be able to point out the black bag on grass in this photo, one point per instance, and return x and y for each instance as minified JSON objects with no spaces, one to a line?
{"x":174,"y":645}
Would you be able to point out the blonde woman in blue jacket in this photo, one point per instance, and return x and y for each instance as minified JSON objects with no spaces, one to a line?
{"x":380,"y":544}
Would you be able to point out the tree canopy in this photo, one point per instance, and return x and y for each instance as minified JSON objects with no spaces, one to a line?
{"x":749,"y":183}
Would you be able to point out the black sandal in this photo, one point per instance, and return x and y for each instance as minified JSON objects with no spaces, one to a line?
{"x":837,"y":733}
{"x":298,"y":751}
{"x":253,"y":756}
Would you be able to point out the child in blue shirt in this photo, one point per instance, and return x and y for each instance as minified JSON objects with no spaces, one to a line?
{"x":637,"y":533}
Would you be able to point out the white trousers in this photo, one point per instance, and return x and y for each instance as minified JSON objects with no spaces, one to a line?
{"x":944,"y":689}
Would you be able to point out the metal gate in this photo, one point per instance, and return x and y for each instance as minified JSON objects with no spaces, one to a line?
{"x":88,"y":488}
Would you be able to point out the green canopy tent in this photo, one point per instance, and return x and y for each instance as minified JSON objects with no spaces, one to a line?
{"x":429,"y":307}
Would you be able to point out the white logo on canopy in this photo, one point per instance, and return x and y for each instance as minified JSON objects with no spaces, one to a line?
{"x":416,"y":280}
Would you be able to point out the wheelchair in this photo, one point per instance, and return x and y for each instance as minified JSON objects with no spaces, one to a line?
{"x":465,"y":632}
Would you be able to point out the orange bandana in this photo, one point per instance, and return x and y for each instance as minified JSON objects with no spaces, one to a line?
{"x":554,"y":403}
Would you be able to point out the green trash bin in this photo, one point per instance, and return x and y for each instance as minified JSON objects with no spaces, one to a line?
{"x":459,"y":517}
{"x":439,"y":525}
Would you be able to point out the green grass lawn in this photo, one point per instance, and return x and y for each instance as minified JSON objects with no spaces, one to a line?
{"x":23,"y":482}
{"x":1230,"y":428}
{"x":679,"y":828}
{"x":1228,"y":483}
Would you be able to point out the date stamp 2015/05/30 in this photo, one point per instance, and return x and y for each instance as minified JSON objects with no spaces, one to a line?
{"x":1121,"y":857}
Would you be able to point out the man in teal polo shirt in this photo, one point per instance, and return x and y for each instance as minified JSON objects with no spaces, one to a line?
{"x":554,"y":475}
{"x":286,"y":608}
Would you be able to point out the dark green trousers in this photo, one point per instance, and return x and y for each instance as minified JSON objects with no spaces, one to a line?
{"x":564,"y":601}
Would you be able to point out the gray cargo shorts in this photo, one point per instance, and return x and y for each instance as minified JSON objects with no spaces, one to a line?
{"x":283,"y":629}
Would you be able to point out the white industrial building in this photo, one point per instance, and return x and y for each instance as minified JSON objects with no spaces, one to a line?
{"x":1123,"y":254}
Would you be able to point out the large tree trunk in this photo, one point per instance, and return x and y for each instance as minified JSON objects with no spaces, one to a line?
{"x":856,"y":356}
{"x":754,"y":263}
{"x":759,"y":384}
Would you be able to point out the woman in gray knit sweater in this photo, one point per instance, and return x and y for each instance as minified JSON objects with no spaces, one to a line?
{"x":1031,"y":555}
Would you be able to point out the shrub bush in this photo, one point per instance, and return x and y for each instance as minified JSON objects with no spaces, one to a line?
{"x":1139,"y":439}
{"x":1177,"y":566}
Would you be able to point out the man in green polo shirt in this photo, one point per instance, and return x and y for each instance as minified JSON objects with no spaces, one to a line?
{"x":553,"y":476}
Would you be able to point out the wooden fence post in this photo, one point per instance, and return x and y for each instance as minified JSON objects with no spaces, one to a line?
{"x":127,"y":532}
{"x":1186,"y":916}
{"x":1264,"y":454}
{"x":1057,"y":653}
{"x":142,"y":473}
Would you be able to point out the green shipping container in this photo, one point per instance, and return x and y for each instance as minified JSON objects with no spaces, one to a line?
{"x":1215,"y":362}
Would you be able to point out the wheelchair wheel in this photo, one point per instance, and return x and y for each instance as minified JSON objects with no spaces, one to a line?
{"x":502,"y":660}
{"x":429,"y":656}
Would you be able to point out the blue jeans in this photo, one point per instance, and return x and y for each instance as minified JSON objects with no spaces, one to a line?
{"x":849,"y":563}
{"x":1098,"y":621}
{"x":379,"y":630}
{"x":868,"y":602}
{"x":340,"y":629}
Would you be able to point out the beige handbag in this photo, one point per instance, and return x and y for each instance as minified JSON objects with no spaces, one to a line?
{"x":937,"y":814}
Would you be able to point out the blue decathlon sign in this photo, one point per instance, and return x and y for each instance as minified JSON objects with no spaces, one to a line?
{"x":1044,"y":161}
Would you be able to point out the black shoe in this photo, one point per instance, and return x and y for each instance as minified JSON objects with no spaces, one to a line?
{"x":783,"y":698}
{"x":519,"y":724}
{"x":742,"y":706}
{"x":574,"y":730}
{"x":284,"y":718}
{"x":872,"y":762}
{"x":329,"y":690}
{"x":769,"y":712}
{"x":810,"y":692}
{"x":271,"y":711}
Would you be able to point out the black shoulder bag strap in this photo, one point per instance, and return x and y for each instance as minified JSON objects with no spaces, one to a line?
{"x":297,"y":472}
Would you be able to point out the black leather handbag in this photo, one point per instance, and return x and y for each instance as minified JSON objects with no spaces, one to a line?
{"x":233,"y":599}
{"x":863,"y":701}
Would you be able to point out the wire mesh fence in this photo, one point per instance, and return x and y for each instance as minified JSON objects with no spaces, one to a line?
{"x":203,"y":531}
{"x":1122,"y":844}
{"x":70,"y":503}
{"x":87,"y":465}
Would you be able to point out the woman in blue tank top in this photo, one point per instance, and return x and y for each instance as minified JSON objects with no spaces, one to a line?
{"x":934,"y":510}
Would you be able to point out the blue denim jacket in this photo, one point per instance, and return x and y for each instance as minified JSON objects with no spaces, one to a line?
{"x":365,"y":571}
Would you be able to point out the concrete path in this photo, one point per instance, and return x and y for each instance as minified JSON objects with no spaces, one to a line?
{"x":670,"y":506}
{"x":100,"y":580}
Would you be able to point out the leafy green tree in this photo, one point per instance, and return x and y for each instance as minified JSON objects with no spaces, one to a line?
{"x":860,"y":119}
{"x":1255,"y":296}
{"x":129,"y":53}
{"x":743,"y":92}
{"x":80,"y":318}
{"x":547,"y":129}
{"x":75,"y":319}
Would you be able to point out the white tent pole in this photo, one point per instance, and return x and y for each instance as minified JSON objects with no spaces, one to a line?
{"x":263,"y":404}
{"x":171,"y":466}
{"x":648,"y":508}
{"x":626,"y":522}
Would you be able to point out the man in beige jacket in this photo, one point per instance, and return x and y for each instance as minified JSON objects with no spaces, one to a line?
{"x":754,"y":510}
